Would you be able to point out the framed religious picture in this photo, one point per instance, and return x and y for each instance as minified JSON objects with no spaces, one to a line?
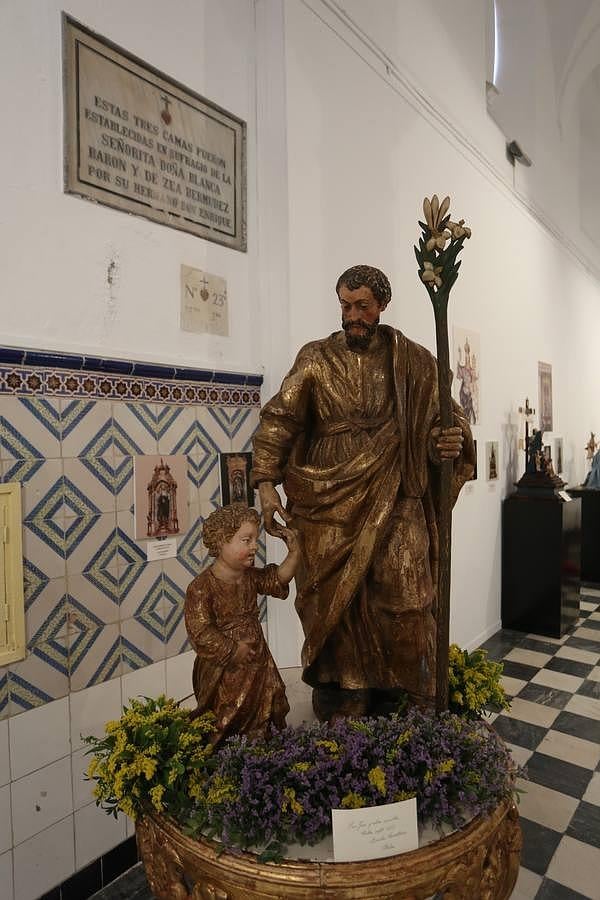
{"x":547,"y":452}
{"x":160,"y":496}
{"x":474,"y":475}
{"x":235,"y":478}
{"x":466,"y":366}
{"x":558,"y":455}
{"x":545,"y":391}
{"x":491,"y":460}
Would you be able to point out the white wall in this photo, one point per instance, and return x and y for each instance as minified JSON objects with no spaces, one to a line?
{"x":363,"y":151}
{"x":54,"y":280}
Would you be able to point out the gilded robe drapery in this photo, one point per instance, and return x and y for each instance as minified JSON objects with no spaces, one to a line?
{"x":348,"y":435}
{"x":218,"y":615}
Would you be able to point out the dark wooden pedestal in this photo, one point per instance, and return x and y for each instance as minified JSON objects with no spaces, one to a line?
{"x":590,"y":533}
{"x":541,"y":553}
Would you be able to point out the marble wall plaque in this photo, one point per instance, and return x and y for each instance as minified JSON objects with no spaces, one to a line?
{"x":143,"y":143}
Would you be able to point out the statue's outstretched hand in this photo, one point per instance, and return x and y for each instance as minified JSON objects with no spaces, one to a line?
{"x":270,"y":503}
{"x":448,"y":442}
{"x":291,"y":538}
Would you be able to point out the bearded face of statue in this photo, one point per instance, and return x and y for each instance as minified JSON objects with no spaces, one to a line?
{"x":360,"y":316}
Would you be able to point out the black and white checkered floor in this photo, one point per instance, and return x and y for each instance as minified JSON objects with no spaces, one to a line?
{"x":553,"y":729}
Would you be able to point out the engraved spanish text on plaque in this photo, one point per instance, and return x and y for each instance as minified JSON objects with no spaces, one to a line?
{"x":143,"y":143}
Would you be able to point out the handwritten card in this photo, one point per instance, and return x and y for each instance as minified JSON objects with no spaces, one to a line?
{"x":374,"y":832}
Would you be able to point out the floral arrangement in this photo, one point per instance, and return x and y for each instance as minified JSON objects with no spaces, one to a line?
{"x":281,"y":790}
{"x":474,"y":685}
{"x":270,"y":792}
{"x":156,"y":755}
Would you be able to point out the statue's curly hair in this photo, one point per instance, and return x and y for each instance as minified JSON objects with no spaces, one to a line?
{"x":366,"y":276}
{"x":223,"y":523}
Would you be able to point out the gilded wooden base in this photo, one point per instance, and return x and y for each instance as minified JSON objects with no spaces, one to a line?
{"x":480,"y":862}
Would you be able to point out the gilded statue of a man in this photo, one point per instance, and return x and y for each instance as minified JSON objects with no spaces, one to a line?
{"x":353,"y":437}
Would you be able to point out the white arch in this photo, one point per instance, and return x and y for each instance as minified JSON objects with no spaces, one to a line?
{"x":583,"y":58}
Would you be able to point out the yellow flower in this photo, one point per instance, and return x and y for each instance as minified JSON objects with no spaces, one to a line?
{"x":353,"y":800}
{"x":333,"y":746}
{"x":404,"y":795}
{"x":126,"y":805}
{"x":289,"y":802}
{"x":203,"y":723}
{"x":377,"y":778}
{"x":195,"y":788}
{"x":148,"y":767}
{"x":445,"y":767}
{"x":401,"y":741}
{"x":118,"y":786}
{"x":404,"y":738}
{"x":428,"y":777}
{"x":220,"y":791}
{"x":156,"y":795}
{"x":301,"y":767}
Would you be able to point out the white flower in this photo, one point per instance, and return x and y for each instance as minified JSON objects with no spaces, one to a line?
{"x":435,"y":213}
{"x":431,"y":275}
{"x":458,"y":229}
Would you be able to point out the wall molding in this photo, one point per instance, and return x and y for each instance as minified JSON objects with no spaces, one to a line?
{"x":334,"y":17}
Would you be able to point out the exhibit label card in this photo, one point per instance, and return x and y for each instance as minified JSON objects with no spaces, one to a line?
{"x":161,"y":549}
{"x":374,"y":832}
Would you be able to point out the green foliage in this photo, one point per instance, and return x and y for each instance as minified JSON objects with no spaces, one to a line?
{"x":474,"y":683}
{"x":154,"y":755}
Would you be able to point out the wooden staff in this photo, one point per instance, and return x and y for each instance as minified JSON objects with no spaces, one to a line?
{"x":439,"y":245}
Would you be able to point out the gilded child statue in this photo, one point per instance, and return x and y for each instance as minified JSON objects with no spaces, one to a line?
{"x":235,"y":676}
{"x":353,"y":437}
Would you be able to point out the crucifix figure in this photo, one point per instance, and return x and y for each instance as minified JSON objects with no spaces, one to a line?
{"x":528,"y":412}
{"x":165,"y":114}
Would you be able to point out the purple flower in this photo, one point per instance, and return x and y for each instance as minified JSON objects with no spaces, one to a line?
{"x":284,"y":787}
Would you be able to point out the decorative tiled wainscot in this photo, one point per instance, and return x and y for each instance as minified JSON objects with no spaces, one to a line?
{"x":103,"y":624}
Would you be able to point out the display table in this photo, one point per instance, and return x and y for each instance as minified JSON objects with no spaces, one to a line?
{"x":541,"y":562}
{"x":479,"y":861}
{"x":590,"y":533}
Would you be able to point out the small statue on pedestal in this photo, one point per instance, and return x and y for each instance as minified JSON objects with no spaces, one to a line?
{"x":539,"y":472}
{"x":592,"y":479}
{"x":535,"y":454}
{"x":591,"y":447}
{"x":235,"y":675}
